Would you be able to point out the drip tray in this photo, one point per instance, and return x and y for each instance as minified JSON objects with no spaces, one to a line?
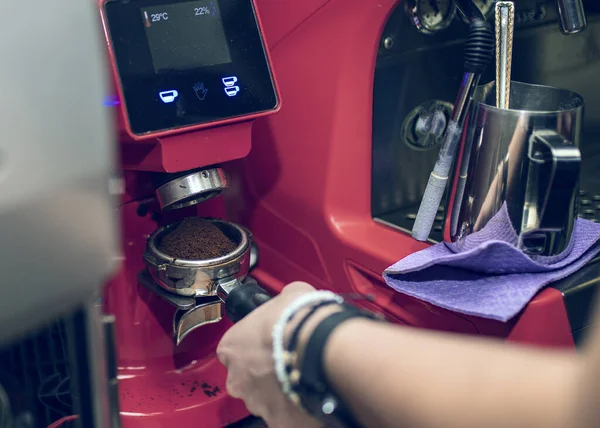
{"x":405,"y":218}
{"x":588,"y":208}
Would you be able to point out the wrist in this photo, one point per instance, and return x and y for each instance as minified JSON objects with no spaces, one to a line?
{"x":337,"y":344}
{"x":299,"y":340}
{"x":284,"y":351}
{"x":318,"y":395}
{"x":311,"y":324}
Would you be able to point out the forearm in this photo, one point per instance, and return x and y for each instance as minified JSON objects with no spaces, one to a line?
{"x":392,"y":376}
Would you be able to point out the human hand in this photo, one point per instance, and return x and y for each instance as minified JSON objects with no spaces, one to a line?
{"x":247,"y":352}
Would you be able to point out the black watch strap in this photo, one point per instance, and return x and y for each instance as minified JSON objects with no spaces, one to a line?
{"x":316,"y":396}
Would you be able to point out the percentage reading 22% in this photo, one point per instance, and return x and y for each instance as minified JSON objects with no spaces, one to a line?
{"x":202,"y":10}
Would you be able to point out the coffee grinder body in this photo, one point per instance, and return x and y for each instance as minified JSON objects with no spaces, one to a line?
{"x":182,"y":120}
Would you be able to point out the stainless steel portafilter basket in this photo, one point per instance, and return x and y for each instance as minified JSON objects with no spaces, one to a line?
{"x":202,"y":290}
{"x":198,"y":278}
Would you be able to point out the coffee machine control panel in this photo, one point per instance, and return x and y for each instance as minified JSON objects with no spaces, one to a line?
{"x":182,"y":65}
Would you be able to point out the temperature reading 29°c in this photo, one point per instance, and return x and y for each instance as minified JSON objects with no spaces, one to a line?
{"x":155,"y":17}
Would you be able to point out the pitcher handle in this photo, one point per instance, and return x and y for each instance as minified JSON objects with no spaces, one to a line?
{"x":551,"y":193}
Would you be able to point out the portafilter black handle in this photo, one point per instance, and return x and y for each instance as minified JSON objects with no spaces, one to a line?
{"x":242,"y":299}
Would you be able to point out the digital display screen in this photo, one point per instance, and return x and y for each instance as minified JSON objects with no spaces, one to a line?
{"x":182,"y":63}
{"x":186,"y":35}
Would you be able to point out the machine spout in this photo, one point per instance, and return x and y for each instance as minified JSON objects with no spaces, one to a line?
{"x":572,"y":16}
{"x":186,"y":321}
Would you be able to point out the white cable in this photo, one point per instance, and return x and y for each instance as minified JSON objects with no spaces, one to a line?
{"x":306,"y":300}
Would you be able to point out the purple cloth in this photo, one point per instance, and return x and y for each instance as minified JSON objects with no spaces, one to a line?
{"x":487,"y":275}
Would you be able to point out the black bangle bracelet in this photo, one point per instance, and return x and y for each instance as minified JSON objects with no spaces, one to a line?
{"x":293,"y":342}
{"x":315,"y":395}
{"x":291,"y":367}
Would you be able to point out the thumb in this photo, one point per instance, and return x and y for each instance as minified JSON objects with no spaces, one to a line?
{"x":298,"y":287}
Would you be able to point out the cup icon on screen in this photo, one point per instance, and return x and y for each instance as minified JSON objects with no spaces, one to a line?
{"x":232,"y":91}
{"x":230,"y":88}
{"x":168,"y":97}
{"x":229,"y":81}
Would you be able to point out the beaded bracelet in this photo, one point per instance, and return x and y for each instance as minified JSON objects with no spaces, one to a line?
{"x":280,"y":355}
{"x":291,"y":369}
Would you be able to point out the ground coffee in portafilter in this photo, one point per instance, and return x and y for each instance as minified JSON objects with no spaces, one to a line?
{"x":196,"y":238}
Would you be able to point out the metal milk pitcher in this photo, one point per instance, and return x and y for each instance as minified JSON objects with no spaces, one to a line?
{"x":526,"y":157}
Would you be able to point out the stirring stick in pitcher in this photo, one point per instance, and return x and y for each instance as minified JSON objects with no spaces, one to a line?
{"x":505,"y":21}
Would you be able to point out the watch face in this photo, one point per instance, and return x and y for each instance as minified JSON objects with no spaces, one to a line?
{"x":182,"y":63}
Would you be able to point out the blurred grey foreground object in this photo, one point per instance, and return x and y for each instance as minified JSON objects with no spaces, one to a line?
{"x":58,"y":228}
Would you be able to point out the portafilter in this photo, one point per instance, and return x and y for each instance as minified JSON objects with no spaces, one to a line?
{"x":221,"y":277}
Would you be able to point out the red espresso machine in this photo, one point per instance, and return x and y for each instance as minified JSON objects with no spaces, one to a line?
{"x":302,"y":175}
{"x":288,"y":120}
